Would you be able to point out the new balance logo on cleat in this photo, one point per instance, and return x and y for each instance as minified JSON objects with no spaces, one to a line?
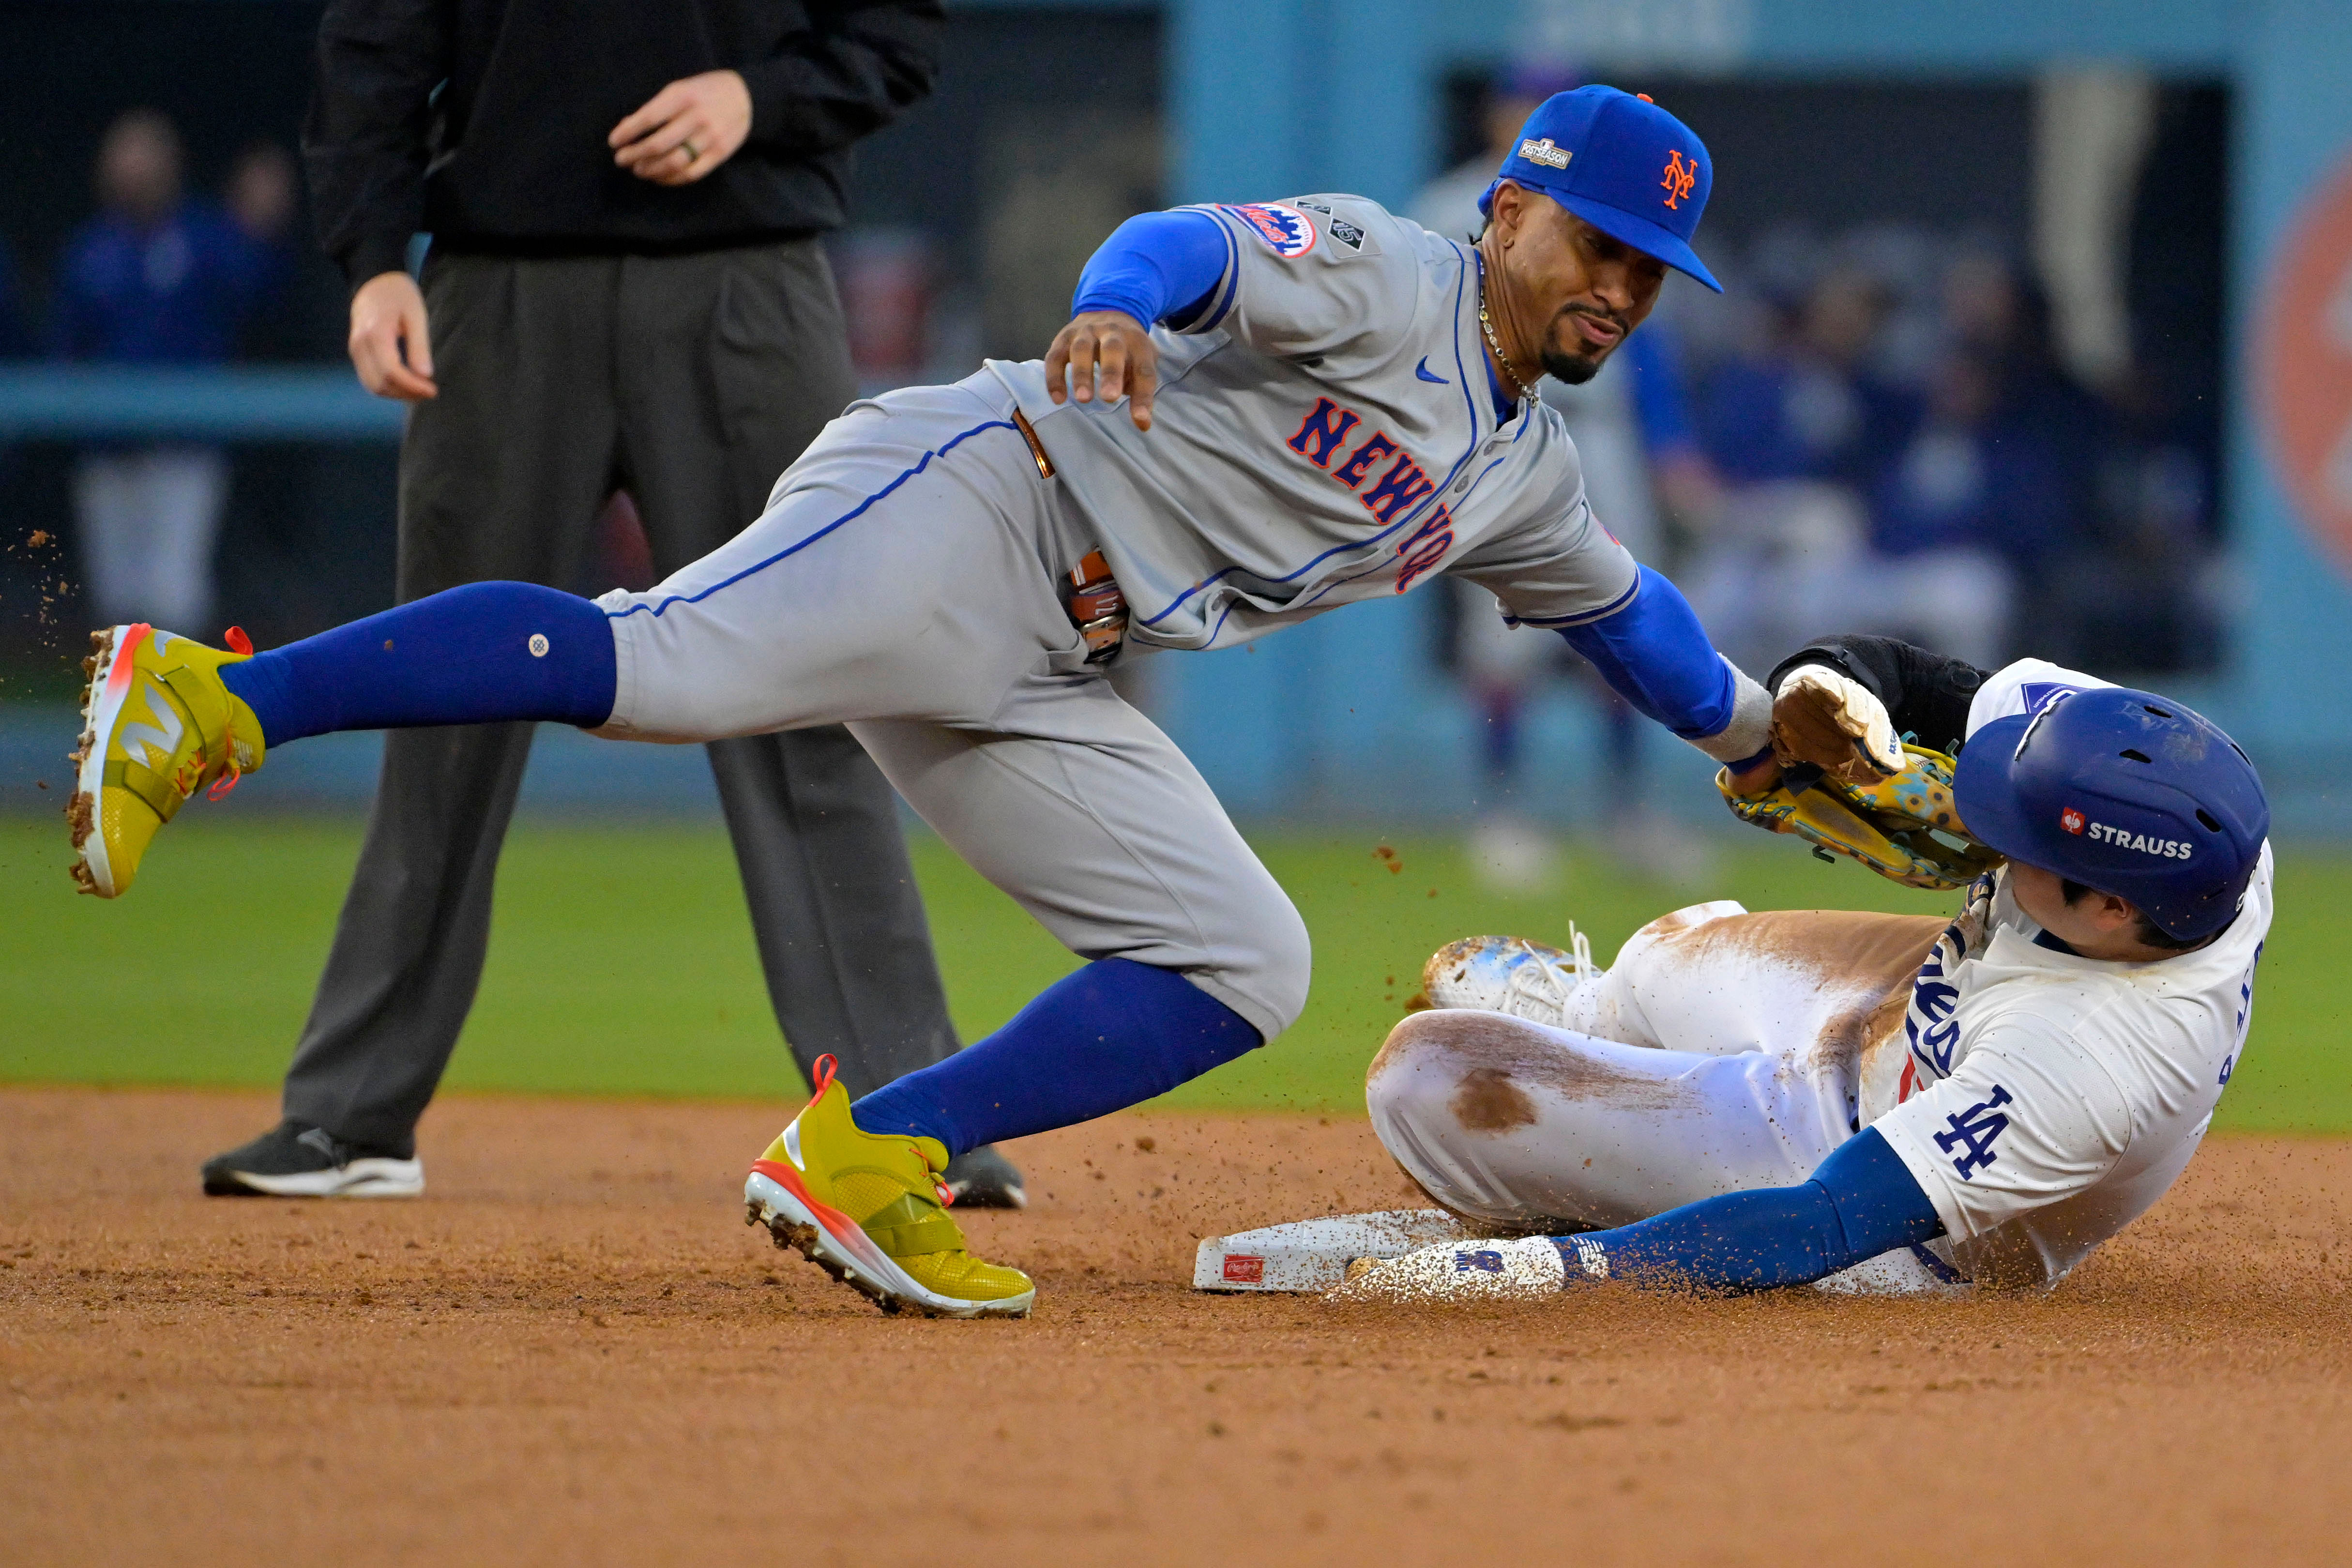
{"x":1976,"y":1127}
{"x":1487,"y":1258}
{"x":162,"y":738}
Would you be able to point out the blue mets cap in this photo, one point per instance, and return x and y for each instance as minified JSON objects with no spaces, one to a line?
{"x":1623,"y":165}
{"x":2127,"y":791}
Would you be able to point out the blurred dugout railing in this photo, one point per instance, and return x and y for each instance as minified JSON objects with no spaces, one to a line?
{"x":218,"y":402}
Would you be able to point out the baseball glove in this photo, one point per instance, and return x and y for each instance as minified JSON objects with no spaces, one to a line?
{"x":1836,"y":723}
{"x":1904,"y":827}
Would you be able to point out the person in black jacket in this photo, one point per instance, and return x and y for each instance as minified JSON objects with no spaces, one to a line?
{"x":623,"y":292}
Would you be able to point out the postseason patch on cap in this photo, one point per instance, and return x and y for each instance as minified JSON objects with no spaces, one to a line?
{"x":1285,"y":230}
{"x":1544,"y":151}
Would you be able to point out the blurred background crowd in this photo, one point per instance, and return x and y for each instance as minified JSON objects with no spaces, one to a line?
{"x":1923,"y":406}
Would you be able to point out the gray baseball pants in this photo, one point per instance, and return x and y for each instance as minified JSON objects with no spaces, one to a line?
{"x":692,"y":382}
{"x":903,"y":580}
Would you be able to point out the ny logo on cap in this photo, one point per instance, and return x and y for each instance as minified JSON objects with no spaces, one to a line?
{"x":1546,"y":152}
{"x":1680,"y":176}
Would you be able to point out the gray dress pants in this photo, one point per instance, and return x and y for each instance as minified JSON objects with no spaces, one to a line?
{"x":692,"y":382}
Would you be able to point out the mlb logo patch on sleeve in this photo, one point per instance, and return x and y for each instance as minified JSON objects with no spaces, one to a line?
{"x":1285,"y":230}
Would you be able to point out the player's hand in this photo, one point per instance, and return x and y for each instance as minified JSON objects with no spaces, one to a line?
{"x":1836,"y":723}
{"x":1105,"y":352}
{"x":685,"y":130}
{"x":389,"y":344}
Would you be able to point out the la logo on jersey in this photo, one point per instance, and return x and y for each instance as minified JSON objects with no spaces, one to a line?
{"x":1285,"y":230}
{"x":1976,"y":1127}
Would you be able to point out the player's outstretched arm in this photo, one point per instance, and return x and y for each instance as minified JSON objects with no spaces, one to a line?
{"x":1654,"y":653}
{"x":1862,"y":1201}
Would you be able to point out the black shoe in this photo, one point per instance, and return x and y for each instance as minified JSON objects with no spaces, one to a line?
{"x":296,"y":1161}
{"x":983,"y":1179}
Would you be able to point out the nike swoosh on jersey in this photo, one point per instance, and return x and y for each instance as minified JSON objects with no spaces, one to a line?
{"x":1421,"y":370}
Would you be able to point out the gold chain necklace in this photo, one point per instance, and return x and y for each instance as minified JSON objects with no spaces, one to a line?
{"x":1526,"y":392}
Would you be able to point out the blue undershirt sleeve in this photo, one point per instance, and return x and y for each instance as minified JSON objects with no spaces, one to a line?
{"x":1156,"y":267}
{"x":1860,"y":1202}
{"x":1655,"y":654}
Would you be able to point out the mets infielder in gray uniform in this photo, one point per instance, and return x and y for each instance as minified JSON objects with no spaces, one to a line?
{"x":1260,"y":413}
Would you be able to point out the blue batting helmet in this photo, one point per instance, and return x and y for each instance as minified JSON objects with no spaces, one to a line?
{"x":2127,"y":791}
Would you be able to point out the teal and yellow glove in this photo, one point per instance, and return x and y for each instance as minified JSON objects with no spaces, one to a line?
{"x":1904,"y":828}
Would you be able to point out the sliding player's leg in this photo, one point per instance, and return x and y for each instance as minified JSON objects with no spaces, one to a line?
{"x":1522,"y":1127}
{"x":1710,"y":978}
{"x":1714,"y":979}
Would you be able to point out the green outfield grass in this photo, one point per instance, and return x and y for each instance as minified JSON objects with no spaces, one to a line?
{"x":621,"y":960}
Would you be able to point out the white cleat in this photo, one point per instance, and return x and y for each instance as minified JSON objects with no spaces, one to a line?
{"x":1524,"y":1268}
{"x":1511,"y":975}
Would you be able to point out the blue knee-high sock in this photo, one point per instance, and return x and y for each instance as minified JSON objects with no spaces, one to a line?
{"x":475,"y":655}
{"x":1111,"y":1035}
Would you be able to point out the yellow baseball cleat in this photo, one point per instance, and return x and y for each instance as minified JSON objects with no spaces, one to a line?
{"x":872,"y":1213}
{"x":157,"y":726}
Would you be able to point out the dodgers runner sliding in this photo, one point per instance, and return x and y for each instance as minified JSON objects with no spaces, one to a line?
{"x":1743,"y":1102}
{"x":1258,"y":413}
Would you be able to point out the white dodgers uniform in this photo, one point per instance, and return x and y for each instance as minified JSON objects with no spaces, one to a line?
{"x":2043,"y":1100}
{"x":1323,"y":433}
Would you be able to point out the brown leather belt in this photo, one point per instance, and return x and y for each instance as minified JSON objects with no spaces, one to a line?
{"x":1036,"y":448}
{"x":1096,"y":607}
{"x":1090,"y":593}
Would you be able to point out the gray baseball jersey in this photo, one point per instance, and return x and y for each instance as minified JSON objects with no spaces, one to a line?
{"x":1324,"y":432}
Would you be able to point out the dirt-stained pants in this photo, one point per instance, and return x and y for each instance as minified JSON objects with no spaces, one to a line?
{"x":1722,"y":1051}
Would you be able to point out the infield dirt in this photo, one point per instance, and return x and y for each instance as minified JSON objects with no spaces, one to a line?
{"x":573,"y":1351}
